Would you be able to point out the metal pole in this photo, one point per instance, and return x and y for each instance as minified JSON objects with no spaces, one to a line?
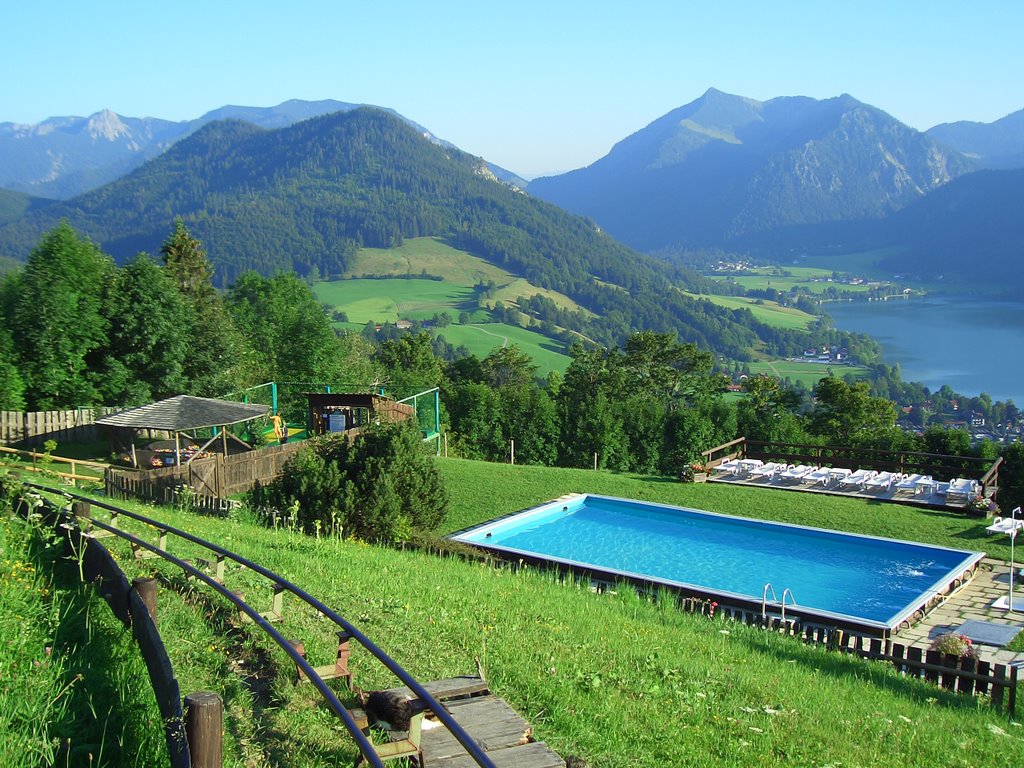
{"x":1013,"y":538}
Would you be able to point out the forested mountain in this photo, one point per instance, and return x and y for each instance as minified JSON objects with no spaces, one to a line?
{"x":991,"y":145}
{"x":971,"y":231}
{"x":725,"y":169}
{"x":306,"y":196}
{"x":62,"y":157}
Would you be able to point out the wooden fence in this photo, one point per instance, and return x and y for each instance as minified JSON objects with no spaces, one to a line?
{"x":954,"y":673}
{"x":213,"y":480}
{"x":35,"y":427}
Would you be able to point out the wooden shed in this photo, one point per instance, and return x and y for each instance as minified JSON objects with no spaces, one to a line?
{"x":345,"y":411}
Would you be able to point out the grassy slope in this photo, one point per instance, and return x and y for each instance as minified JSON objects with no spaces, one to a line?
{"x":810,"y":373}
{"x":388,"y":300}
{"x":619,"y":680}
{"x":769,"y":312}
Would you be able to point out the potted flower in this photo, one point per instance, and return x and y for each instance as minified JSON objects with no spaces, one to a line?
{"x":980,"y":506}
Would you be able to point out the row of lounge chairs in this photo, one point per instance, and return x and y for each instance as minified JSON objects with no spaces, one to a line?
{"x":840,"y":478}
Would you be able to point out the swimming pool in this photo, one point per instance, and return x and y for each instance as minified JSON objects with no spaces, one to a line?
{"x":849,"y":579}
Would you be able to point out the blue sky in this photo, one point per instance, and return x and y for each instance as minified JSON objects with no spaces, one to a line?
{"x":535,"y":87}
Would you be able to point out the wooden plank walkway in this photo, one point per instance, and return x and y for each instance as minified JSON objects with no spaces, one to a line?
{"x":503,"y":734}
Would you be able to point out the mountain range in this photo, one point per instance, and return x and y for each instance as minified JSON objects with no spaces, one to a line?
{"x":778,"y":178}
{"x":62,"y":157}
{"x":728,"y":171}
{"x":305,"y":197}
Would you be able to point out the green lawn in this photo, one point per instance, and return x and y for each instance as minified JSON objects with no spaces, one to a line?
{"x":616,"y":679}
{"x":786,"y":283}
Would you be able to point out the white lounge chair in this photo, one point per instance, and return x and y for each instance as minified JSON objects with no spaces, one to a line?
{"x":749,"y":465}
{"x":730,"y":467}
{"x":961,"y":490}
{"x":821,"y":475}
{"x":858,"y":478}
{"x":797,"y":473}
{"x":881,"y":481}
{"x":1005,"y":525}
{"x":839,"y":473}
{"x":914,"y":483}
{"x":768,"y":470}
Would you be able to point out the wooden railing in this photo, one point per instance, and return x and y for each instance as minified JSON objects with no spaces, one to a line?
{"x":31,"y":461}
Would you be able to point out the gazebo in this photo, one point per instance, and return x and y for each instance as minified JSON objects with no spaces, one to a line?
{"x":183,"y":414}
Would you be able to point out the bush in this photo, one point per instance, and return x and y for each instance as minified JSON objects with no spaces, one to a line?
{"x":379,"y":488}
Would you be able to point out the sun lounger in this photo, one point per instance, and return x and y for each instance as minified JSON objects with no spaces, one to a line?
{"x":797,"y":473}
{"x":839,"y":473}
{"x":961,"y":490}
{"x":749,"y":465}
{"x":926,"y":484}
{"x":768,"y":470}
{"x":881,"y":481}
{"x":913,"y":483}
{"x":857,"y":479}
{"x":821,"y":475}
{"x":1005,"y":525}
{"x":730,"y":467}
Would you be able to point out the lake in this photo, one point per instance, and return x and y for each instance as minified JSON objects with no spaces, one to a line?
{"x":973,"y":346}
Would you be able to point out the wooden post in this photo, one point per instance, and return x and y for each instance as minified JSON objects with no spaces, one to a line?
{"x":512,"y":448}
{"x":595,"y":461}
{"x":204,"y":715}
{"x":147,"y":591}
{"x":83,"y":511}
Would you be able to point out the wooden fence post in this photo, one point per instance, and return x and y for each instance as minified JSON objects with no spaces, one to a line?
{"x":82,"y":511}
{"x":147,"y":591}
{"x":204,"y":715}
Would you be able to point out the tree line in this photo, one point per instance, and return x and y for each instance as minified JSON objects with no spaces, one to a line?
{"x":80,"y":330}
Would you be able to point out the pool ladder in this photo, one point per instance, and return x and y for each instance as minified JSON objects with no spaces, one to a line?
{"x":764,"y":600}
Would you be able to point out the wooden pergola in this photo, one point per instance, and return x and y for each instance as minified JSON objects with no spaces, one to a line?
{"x":183,"y":414}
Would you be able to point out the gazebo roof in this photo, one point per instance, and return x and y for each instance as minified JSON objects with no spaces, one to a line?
{"x":177,"y":414}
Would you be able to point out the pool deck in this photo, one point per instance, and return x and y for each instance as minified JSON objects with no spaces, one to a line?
{"x":833,"y":488}
{"x":973,"y":601}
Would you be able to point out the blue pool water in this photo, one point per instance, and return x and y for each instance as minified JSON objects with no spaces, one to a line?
{"x":873,"y":580}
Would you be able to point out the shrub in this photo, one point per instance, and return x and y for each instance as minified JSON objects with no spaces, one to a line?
{"x":380,"y":487}
{"x":954,"y":644}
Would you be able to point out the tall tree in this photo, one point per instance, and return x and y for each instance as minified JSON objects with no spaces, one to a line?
{"x":149,"y":335}
{"x":57,"y":323}
{"x":847,"y":414}
{"x":219,"y":358}
{"x":288,"y":328}
{"x":12,"y":388}
{"x":410,"y":363}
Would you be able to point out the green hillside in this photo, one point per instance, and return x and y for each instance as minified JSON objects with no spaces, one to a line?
{"x":612,"y":678}
{"x":307,"y":197}
{"x":768,"y":312}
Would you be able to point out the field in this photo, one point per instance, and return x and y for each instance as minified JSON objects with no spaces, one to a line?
{"x":768,"y":312}
{"x":391,"y":299}
{"x":809,"y":373}
{"x":482,"y":338}
{"x":432,"y":256}
{"x":812,"y":279}
{"x":616,"y":679}
{"x":383,"y":300}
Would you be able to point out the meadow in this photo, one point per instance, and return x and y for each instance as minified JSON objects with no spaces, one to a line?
{"x":612,"y":677}
{"x":768,"y":312}
{"x":808,"y":373}
{"x":812,"y":279}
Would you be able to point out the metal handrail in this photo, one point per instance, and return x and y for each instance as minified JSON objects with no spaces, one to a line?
{"x":470,"y":745}
{"x":786,"y":591}
{"x":764,"y":598}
